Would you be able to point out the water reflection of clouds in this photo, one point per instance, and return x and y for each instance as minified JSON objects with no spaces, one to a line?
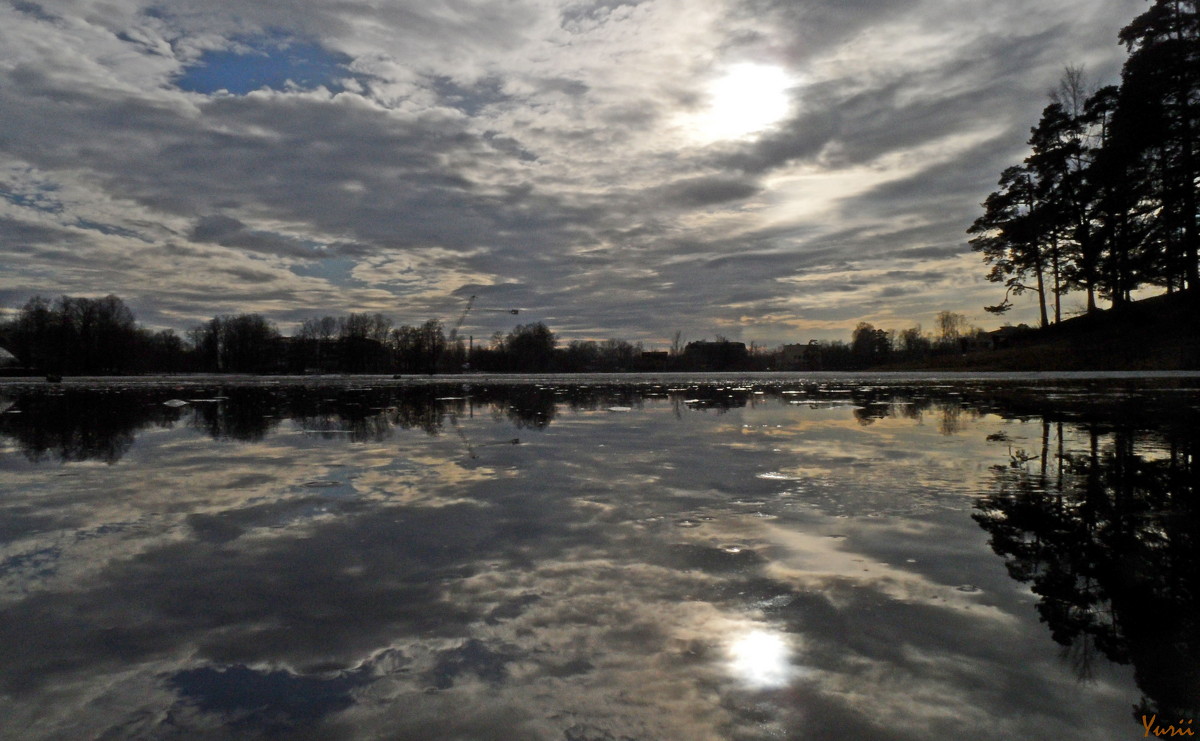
{"x":571,"y":605}
{"x":643,"y":640}
{"x":178,"y":484}
{"x":841,"y":465}
{"x":819,"y":563}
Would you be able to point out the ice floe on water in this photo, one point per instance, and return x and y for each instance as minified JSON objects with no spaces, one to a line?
{"x":777,"y":476}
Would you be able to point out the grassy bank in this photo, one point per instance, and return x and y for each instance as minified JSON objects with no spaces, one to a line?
{"x":1160,"y":333}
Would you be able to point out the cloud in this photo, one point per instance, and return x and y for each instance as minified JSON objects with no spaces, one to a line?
{"x":215,"y":228}
{"x":535,"y":144}
{"x":709,"y":191}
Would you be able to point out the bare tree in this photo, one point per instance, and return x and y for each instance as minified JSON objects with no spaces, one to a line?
{"x":951,"y":327}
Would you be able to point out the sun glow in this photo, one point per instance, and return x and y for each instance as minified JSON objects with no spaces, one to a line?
{"x":761,"y":660}
{"x":745,"y":100}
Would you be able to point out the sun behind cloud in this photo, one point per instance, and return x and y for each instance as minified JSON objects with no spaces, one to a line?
{"x":745,"y":100}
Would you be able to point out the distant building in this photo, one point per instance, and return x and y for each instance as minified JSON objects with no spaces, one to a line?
{"x":655,"y":359}
{"x":791,"y":355}
{"x":977,"y":342}
{"x":801,"y":357}
{"x":1004,"y":336}
{"x":993,"y":340}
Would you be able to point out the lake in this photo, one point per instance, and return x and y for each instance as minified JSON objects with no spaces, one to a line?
{"x":612,"y":557}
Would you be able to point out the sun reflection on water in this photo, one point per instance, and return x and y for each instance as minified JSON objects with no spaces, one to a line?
{"x":761,"y":659}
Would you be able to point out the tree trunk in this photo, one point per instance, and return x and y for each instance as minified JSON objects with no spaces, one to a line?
{"x":1184,"y":92}
{"x":1041,"y":291}
{"x":1057,"y":279}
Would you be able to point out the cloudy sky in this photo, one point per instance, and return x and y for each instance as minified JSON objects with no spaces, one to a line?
{"x":767,"y":170}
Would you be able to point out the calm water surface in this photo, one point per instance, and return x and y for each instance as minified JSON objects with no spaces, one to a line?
{"x":659,"y":558}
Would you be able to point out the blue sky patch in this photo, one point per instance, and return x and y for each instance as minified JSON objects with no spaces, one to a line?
{"x":109,"y":229}
{"x":274,"y":61}
{"x":272,"y":700}
{"x":336,"y":269}
{"x":39,"y":199}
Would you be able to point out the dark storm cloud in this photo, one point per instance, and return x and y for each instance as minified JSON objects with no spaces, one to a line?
{"x":22,"y":235}
{"x":413,"y":199}
{"x":709,"y":191}
{"x":215,"y":228}
{"x":470,"y":99}
{"x":229,"y":232}
{"x":565,"y":86}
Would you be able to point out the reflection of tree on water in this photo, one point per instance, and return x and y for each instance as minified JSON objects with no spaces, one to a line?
{"x":952,"y":416}
{"x":74,"y":426}
{"x":246,"y":417}
{"x":102,"y":424}
{"x":1109,"y":540}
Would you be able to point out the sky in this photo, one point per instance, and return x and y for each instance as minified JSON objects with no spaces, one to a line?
{"x":769,"y":171}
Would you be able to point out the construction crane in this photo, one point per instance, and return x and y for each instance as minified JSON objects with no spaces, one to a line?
{"x":467,"y":310}
{"x":461,"y":318}
{"x":453,"y":337}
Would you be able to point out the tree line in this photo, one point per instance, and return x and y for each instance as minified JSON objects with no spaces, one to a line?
{"x":100,"y":336}
{"x":76,"y":335}
{"x":88,"y":335}
{"x":1106,"y":201}
{"x":872,"y":347}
